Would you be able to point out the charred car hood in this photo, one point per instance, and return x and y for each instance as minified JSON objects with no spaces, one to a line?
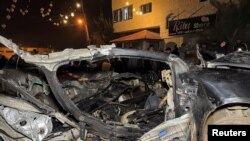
{"x":224,"y":86}
{"x":239,"y":59}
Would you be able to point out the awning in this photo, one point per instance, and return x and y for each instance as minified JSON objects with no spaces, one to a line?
{"x":142,"y":35}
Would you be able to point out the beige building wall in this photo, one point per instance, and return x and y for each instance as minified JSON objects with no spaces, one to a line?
{"x":157,"y":18}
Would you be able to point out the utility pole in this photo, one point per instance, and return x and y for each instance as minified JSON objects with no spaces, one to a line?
{"x":86,"y":23}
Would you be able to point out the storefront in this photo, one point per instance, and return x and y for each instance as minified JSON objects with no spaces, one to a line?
{"x":174,"y":19}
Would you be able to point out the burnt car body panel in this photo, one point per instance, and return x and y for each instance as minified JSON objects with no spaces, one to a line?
{"x":236,"y":59}
{"x":224,"y":86}
{"x":217,"y":88}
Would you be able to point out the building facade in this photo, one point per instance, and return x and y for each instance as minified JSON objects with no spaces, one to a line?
{"x":135,"y":15}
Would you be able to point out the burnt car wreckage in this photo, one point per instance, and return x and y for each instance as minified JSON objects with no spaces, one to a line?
{"x":91,"y":94}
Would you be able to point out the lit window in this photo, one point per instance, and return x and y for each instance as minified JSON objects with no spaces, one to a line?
{"x":123,"y":14}
{"x":127,"y":13}
{"x":146,"y":8}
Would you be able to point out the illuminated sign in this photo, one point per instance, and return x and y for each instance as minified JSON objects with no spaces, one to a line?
{"x":191,"y":25}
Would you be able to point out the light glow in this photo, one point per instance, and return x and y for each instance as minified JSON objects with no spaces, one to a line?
{"x":78,"y":5}
{"x":65,"y":21}
{"x":79,"y":21}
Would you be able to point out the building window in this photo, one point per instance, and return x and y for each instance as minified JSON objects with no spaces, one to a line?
{"x":123,"y":14}
{"x":202,"y":0}
{"x":146,"y":8}
{"x":127,"y":13}
{"x":117,"y":15}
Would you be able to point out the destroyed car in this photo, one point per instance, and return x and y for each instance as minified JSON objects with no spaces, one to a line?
{"x":109,"y":93}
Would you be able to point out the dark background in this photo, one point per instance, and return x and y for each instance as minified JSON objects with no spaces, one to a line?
{"x":34,"y":30}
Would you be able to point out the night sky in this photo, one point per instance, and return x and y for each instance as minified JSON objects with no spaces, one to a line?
{"x":27,"y":27}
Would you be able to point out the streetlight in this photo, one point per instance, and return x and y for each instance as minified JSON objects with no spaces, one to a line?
{"x":65,"y":21}
{"x":79,"y":21}
{"x":85,"y":20}
{"x":78,"y":5}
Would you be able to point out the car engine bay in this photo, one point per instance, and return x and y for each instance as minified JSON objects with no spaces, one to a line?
{"x":135,"y":98}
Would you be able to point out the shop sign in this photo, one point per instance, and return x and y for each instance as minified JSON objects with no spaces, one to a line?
{"x":191,"y":25}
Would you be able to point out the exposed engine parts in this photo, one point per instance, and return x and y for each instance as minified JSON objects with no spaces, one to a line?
{"x":33,"y":125}
{"x":120,"y":97}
